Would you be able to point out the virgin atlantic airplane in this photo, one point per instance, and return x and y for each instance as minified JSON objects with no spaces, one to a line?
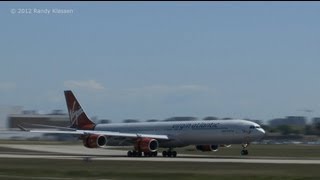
{"x":147,"y":137}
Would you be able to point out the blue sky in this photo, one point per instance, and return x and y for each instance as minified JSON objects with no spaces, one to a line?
{"x":144,"y":60}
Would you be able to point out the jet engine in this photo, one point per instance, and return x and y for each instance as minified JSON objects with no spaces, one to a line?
{"x":146,"y":145}
{"x":207,"y":147}
{"x":94,"y":141}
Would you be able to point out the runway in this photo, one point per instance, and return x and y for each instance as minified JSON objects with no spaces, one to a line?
{"x":78,"y":152}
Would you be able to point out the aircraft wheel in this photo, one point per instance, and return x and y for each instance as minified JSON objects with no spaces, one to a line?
{"x":155,"y":154}
{"x":129,"y":154}
{"x":174,"y":153}
{"x":134,"y":153}
{"x":164,"y":153}
{"x":147,"y":154}
{"x":244,"y":152}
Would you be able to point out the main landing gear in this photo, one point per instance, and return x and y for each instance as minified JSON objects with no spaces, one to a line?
{"x":139,"y":154}
{"x":244,"y":151}
{"x":169,"y":153}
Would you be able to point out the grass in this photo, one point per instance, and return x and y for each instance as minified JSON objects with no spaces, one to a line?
{"x":76,"y":169}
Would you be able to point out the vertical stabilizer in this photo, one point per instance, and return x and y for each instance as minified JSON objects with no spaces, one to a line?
{"x":78,"y":117}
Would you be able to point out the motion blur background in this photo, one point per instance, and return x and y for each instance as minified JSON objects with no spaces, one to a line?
{"x":155,"y":61}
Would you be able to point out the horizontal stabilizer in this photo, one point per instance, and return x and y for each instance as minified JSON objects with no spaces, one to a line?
{"x":22,"y":128}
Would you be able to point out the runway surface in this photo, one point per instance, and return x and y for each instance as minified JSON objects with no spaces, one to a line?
{"x":81,"y":153}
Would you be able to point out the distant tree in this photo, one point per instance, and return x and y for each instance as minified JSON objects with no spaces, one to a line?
{"x":210,"y":118}
{"x":227,"y":118}
{"x":272,"y":129}
{"x":181,"y":119}
{"x":105,"y":121}
{"x":285,"y":129}
{"x":152,"y":120}
{"x":130,"y":121}
{"x":57,"y":112}
{"x":94,"y":118}
{"x":265,"y":127}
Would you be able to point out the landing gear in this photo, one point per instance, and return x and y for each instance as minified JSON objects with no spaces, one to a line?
{"x":150,"y":154}
{"x":169,"y":153}
{"x":134,"y":153}
{"x":139,"y":154}
{"x":129,"y":154}
{"x":244,"y":151}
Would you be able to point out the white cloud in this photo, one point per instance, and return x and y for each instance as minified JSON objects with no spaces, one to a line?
{"x":86,"y":84}
{"x":7,"y":86}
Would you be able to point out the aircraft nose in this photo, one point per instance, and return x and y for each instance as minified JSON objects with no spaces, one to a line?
{"x":261,"y":132}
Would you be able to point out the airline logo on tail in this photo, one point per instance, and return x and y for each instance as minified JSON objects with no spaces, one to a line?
{"x":78,"y":117}
{"x":74,"y":114}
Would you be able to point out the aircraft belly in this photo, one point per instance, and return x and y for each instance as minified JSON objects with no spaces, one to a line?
{"x":180,"y":138}
{"x":209,"y":137}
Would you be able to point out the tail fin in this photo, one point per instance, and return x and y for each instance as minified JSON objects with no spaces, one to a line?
{"x":78,"y":117}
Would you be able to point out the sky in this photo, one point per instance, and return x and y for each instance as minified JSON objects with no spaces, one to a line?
{"x":155,"y":60}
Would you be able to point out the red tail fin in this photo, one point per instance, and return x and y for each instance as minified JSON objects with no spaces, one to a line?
{"x":78,"y":117}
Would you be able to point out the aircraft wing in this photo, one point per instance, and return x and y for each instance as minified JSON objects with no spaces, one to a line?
{"x":105,"y":133}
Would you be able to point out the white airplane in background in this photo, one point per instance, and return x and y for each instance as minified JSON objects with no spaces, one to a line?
{"x":147,"y":137}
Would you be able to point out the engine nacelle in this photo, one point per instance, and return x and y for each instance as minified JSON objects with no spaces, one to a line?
{"x":94,"y":141}
{"x":207,"y":147}
{"x":146,"y":145}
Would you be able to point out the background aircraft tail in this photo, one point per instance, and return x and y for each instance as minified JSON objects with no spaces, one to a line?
{"x":78,"y":117}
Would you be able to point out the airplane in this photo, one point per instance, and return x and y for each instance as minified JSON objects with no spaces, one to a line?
{"x":147,"y":137}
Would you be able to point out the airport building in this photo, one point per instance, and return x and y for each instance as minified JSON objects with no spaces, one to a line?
{"x":56,"y":118}
{"x":4,"y":111}
{"x":316,"y":120}
{"x":27,"y":118}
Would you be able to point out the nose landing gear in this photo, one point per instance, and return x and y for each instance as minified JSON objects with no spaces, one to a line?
{"x":244,"y":151}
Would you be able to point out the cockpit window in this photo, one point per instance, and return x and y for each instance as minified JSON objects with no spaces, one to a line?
{"x":253,"y":127}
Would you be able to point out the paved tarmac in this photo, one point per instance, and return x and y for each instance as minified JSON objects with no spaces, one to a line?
{"x":79,"y":152}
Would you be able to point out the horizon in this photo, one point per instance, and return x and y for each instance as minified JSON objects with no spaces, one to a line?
{"x":61,"y":112}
